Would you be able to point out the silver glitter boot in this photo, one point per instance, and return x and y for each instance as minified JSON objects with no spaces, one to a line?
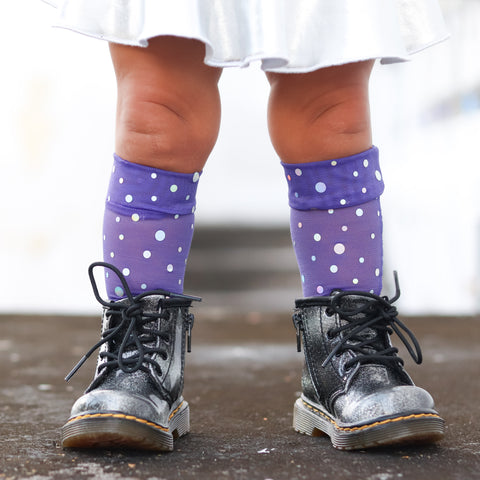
{"x":135,"y":399}
{"x":355,"y":389}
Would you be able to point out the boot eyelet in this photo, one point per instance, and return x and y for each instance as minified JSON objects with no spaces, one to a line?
{"x":329,"y":312}
{"x":330,"y":335}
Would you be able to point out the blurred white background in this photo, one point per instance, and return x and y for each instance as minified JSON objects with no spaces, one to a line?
{"x":56,"y":123}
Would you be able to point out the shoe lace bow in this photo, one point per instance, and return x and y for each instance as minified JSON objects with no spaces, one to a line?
{"x":132,"y":331}
{"x":365,"y":327}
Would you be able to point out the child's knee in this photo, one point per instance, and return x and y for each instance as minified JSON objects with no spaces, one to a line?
{"x":320,"y":115}
{"x":165,"y":130}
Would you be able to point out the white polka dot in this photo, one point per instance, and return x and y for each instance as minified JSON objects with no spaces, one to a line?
{"x":177,"y":216}
{"x":143,"y":286}
{"x":180,"y":250}
{"x":314,"y":258}
{"x":104,"y":237}
{"x":303,"y":278}
{"x":364,"y":190}
{"x":147,"y":254}
{"x":170,"y":268}
{"x":320,"y":289}
{"x":187,"y":197}
{"x":378,"y":175}
{"x":196,"y":176}
{"x":355,"y":281}
{"x":372,"y":236}
{"x":339,"y":248}
{"x":180,"y":281}
{"x":126,"y":272}
{"x":121,"y":236}
{"x":320,"y":187}
{"x":128,"y":198}
{"x":193,"y":209}
{"x":160,"y":235}
{"x":365,"y":163}
{"x":343,"y":201}
{"x":113,"y":169}
{"x":112,"y":254}
{"x":120,"y":180}
{"x":300,"y":224}
{"x":361,"y":260}
{"x":135,"y":217}
{"x":119,"y":291}
{"x":355,"y":173}
{"x":317,"y":237}
{"x":296,"y":194}
{"x":344,"y":228}
{"x":154,"y":175}
{"x":108,"y":198}
{"x":154,"y":198}
{"x":333,"y":268}
{"x":333,"y":163}
{"x":107,"y":274}
{"x":117,"y":219}
{"x":358,"y":212}
{"x":173,"y":188}
{"x":377,"y":272}
{"x":331,"y":211}
{"x":298,"y":172}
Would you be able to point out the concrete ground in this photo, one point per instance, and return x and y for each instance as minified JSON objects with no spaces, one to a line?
{"x":242,"y":378}
{"x":241,"y":381}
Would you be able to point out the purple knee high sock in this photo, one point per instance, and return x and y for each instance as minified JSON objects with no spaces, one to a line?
{"x":336,"y":223}
{"x":148,"y":227}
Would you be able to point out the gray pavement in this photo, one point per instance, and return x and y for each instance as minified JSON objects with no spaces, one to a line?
{"x":241,"y":381}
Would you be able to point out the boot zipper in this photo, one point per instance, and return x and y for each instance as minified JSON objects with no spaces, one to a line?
{"x":298,"y":324}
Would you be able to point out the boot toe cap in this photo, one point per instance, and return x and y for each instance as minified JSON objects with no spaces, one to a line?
{"x":391,"y":402}
{"x":119,"y":403}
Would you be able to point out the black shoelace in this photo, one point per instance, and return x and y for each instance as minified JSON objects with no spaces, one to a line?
{"x":367,"y":323}
{"x":377,"y":315}
{"x":130,"y":332}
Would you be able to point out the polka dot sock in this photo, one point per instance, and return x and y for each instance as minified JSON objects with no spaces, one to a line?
{"x":336,"y":223}
{"x":148,"y":227}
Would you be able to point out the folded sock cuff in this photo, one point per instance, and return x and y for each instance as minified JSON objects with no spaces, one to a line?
{"x":149,"y":190}
{"x":338,"y":183}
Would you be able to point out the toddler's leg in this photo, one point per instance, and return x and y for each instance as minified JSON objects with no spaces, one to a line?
{"x":167,"y":122}
{"x":320,"y":127}
{"x":354,"y":386}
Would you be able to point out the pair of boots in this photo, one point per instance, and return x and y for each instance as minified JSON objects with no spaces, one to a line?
{"x":355,"y":389}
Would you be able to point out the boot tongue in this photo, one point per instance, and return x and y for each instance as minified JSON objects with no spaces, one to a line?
{"x":117,"y":378}
{"x":357,"y":303}
{"x":146,"y":305}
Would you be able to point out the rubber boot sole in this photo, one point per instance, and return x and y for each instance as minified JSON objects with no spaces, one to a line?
{"x":411,"y":428}
{"x":116,"y":430}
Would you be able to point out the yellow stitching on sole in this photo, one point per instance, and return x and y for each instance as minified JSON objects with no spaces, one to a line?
{"x":175,"y":411}
{"x":125,"y":417}
{"x":375,"y":424}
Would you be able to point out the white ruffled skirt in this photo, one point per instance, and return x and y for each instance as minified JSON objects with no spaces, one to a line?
{"x":284,"y":35}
